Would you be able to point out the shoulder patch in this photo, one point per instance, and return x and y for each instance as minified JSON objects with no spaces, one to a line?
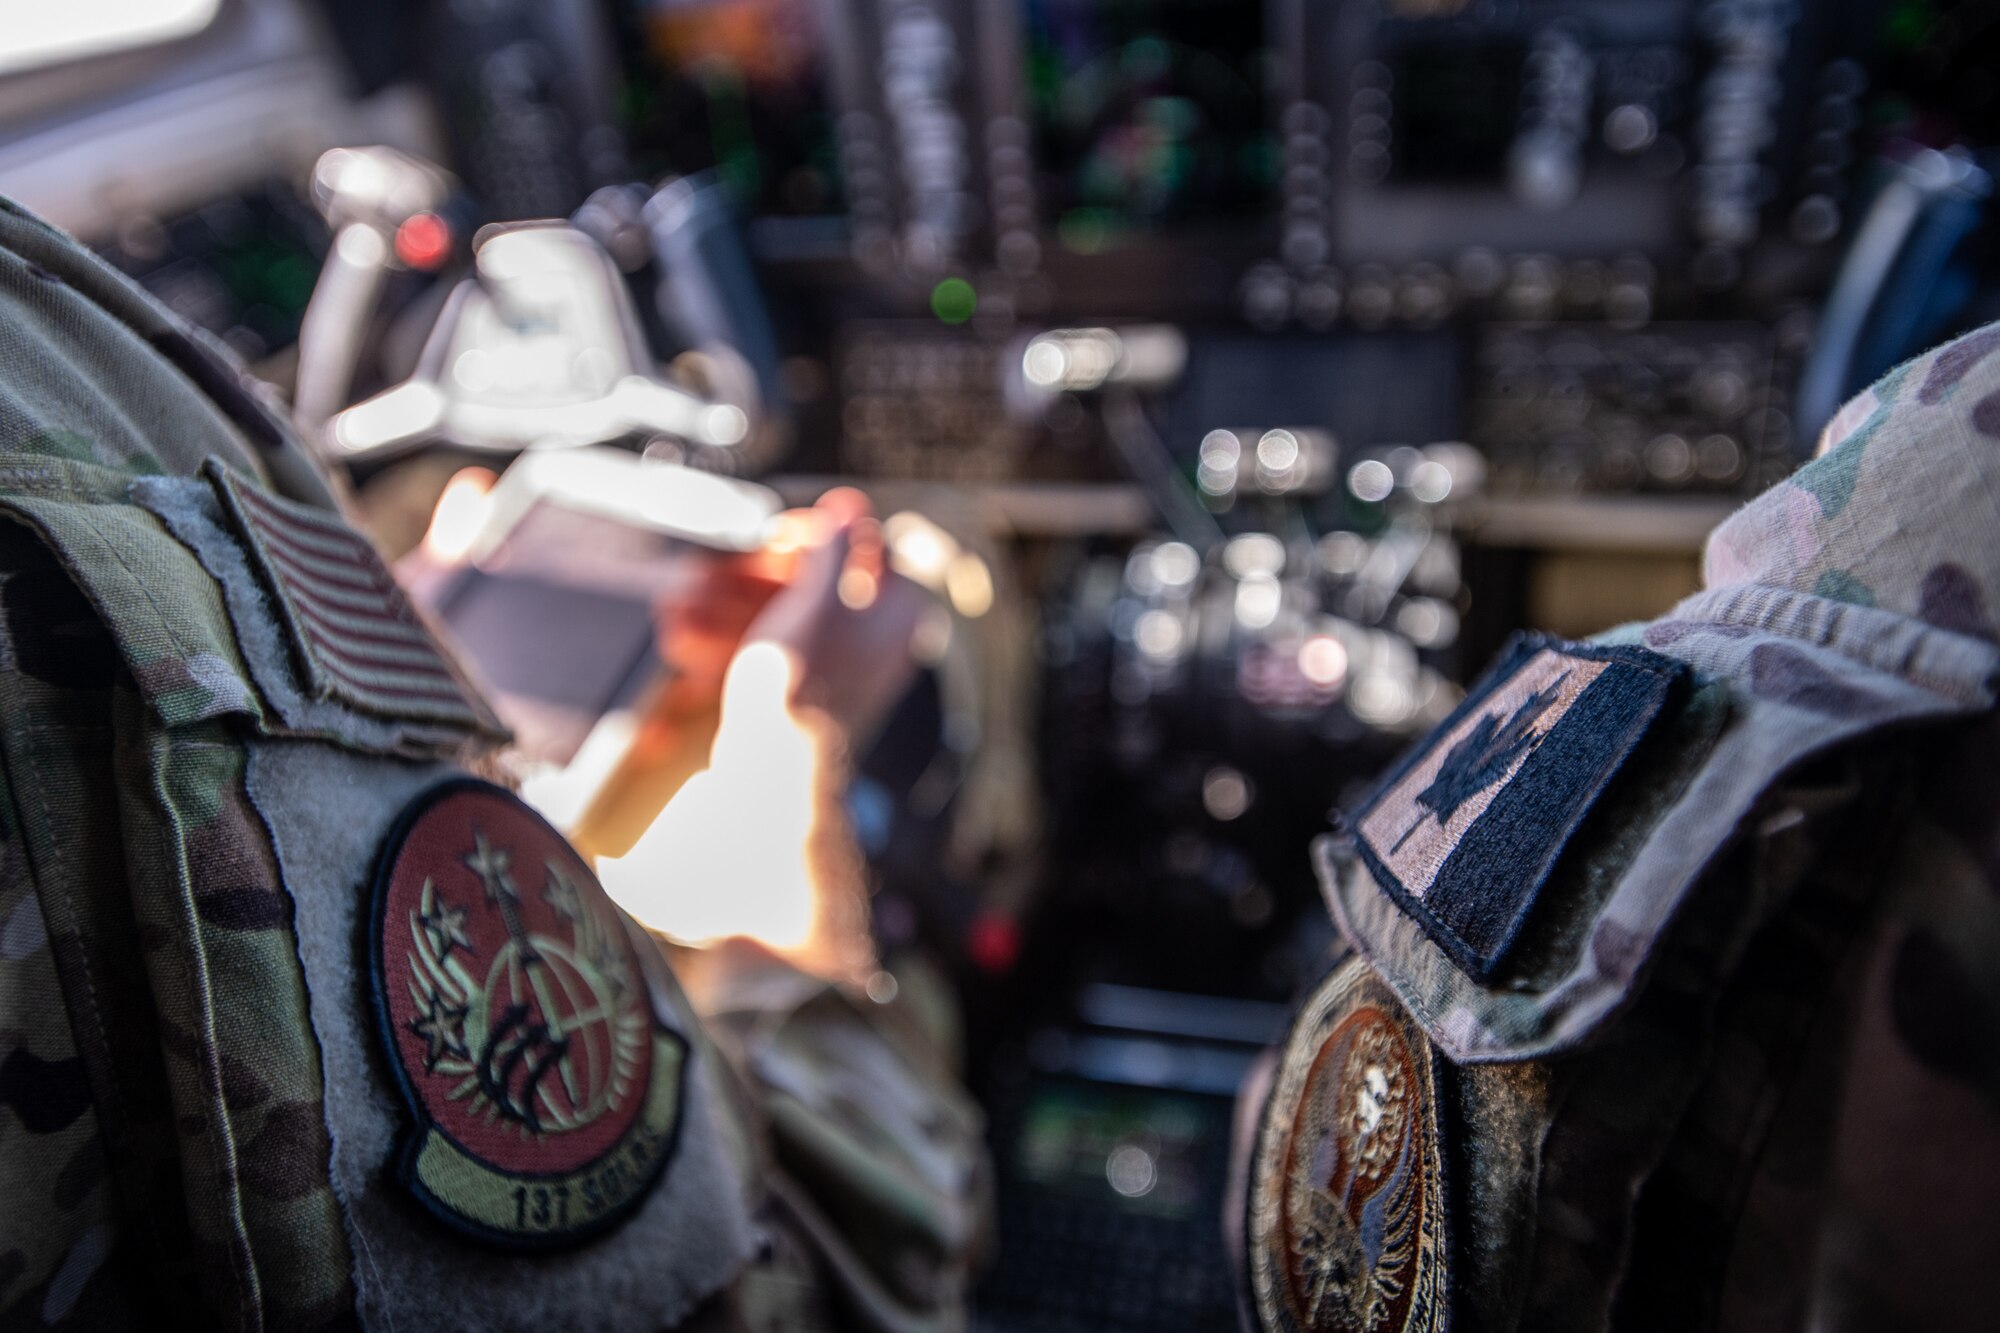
{"x":1347,"y":1225}
{"x":544,"y":1092}
{"x":354,"y":633}
{"x":1464,"y":832}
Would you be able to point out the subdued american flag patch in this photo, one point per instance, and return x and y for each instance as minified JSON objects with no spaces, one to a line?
{"x":355,"y":636}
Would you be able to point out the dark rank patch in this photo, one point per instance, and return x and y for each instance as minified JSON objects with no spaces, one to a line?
{"x":543,"y":1091}
{"x":1346,"y":1228}
{"x":1463,"y":834}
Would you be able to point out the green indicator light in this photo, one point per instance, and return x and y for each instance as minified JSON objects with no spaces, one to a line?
{"x":1085,"y":231}
{"x":953,"y":300}
{"x":1909,"y":25}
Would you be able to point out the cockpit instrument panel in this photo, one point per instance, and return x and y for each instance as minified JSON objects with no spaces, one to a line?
{"x":1148,"y":114}
{"x":736,"y":86}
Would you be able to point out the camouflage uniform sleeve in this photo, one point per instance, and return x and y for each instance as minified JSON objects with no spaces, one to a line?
{"x":1700,"y":1030}
{"x":197,"y":765}
{"x":1917,"y":1152}
{"x":878,"y":1189}
{"x":61,"y":1223}
{"x":144,"y":905}
{"x":185,"y":1081}
{"x":1871,"y":1204}
{"x":1873,"y":1207}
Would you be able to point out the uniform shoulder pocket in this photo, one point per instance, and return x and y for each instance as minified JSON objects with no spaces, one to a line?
{"x":163,"y":611}
{"x":1513,"y":878}
{"x":519,"y":1103}
{"x":334,"y":647}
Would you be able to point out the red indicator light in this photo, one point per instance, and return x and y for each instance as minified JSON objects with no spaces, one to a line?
{"x":423,"y":241}
{"x":993,"y":942}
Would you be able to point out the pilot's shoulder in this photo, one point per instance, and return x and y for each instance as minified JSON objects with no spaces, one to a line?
{"x":1896,"y":508}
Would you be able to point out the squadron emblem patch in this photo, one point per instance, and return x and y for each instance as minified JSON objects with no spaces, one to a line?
{"x":1347,"y":1211}
{"x":543,"y":1090}
{"x":1464,"y":832}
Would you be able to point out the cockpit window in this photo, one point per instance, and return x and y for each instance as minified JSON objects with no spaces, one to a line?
{"x":38,"y":35}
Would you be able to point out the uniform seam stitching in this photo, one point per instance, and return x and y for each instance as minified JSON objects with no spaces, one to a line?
{"x":210,"y":1063}
{"x":114,"y":1077}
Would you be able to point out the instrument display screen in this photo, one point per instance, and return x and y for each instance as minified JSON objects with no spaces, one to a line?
{"x":1455,"y":108}
{"x":1148,"y":113}
{"x":1145,"y":1152}
{"x":739,"y":86}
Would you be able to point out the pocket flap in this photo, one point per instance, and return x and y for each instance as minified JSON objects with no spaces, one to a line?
{"x":161,"y":607}
{"x":333,"y":645}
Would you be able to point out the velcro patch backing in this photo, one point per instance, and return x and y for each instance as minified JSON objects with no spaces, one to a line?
{"x":1463,"y":834}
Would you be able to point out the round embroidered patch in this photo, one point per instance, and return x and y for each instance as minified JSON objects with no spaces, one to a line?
{"x":544,"y":1091}
{"x":1347,"y":1223}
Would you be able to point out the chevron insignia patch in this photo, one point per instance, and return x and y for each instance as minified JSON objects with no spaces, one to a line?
{"x":543,"y":1093}
{"x":1463,"y":834}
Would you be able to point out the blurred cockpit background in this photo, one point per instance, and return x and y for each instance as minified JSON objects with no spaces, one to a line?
{"x":1233,"y":377}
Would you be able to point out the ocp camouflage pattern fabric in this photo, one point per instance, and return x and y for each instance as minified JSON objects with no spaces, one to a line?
{"x":1740,"y":1068}
{"x":166,"y":1145}
{"x":196,"y":1185}
{"x":868,"y":1134}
